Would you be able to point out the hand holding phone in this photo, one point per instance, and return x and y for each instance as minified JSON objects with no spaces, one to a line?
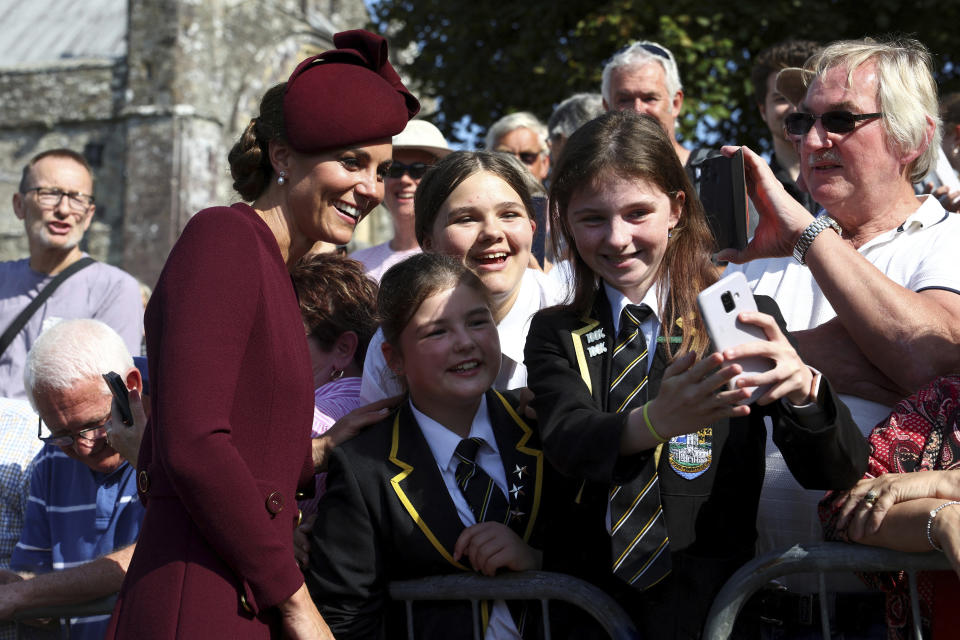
{"x":121,"y":395}
{"x":720,"y":304}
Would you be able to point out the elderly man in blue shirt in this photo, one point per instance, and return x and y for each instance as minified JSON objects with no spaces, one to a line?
{"x":83,"y":501}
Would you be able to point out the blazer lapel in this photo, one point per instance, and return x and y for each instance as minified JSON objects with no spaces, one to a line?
{"x":421,"y":488}
{"x":522,"y":462}
{"x":593,"y":349}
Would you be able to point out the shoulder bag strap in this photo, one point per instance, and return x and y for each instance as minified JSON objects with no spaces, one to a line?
{"x":18,"y":323}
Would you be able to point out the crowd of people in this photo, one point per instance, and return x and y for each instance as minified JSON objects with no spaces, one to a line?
{"x":519,"y":379}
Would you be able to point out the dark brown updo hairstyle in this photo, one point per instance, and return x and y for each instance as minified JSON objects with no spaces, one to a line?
{"x":405,"y":286}
{"x":634,"y":147}
{"x":335,"y":296}
{"x":443,"y":178}
{"x":250,"y":157}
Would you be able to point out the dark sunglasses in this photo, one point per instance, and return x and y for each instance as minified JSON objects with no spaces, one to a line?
{"x":798,"y":124}
{"x":526,"y":157}
{"x":415,"y":169}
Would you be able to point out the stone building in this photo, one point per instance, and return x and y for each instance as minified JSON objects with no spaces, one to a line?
{"x":154,"y":93}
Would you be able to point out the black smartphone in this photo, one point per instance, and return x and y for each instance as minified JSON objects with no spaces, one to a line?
{"x":539,"y":247}
{"x":121,"y":395}
{"x":723,"y":193}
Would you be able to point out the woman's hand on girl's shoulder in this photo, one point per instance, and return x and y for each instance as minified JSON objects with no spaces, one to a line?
{"x":693,"y":394}
{"x":491,"y":546}
{"x":349,"y":426}
{"x":790,"y":378}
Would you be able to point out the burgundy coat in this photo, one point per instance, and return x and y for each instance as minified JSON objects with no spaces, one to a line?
{"x":227,"y":442}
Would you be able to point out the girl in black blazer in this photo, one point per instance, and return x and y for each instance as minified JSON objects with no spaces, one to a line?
{"x":394,"y":509}
{"x":680,"y":447}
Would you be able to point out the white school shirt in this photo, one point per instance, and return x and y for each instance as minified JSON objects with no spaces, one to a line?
{"x":443,"y":443}
{"x":536,"y":292}
{"x":919,"y":254}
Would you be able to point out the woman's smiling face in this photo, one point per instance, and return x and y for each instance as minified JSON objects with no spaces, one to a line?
{"x":330,"y":192}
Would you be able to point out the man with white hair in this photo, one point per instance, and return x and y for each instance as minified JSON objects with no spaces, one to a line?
{"x":643,"y":77}
{"x":871,"y":288}
{"x":523,"y":136}
{"x":83,"y":495}
{"x":415,"y":149}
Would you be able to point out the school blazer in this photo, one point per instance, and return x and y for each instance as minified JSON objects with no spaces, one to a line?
{"x":387,"y":516}
{"x":710,"y":512}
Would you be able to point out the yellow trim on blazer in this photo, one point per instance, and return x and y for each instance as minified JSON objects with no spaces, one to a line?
{"x":527,"y":432}
{"x":397,"y":479}
{"x":577,"y":337}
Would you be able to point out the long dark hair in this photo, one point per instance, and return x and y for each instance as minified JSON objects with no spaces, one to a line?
{"x":633,"y":146}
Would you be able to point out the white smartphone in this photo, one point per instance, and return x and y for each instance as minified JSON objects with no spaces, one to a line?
{"x":720,"y":304}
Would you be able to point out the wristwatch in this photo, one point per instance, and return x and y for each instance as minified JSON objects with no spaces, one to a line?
{"x":811,"y":232}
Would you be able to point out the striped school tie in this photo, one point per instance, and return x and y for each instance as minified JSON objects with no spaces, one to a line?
{"x":638,"y":532}
{"x":485,"y":498}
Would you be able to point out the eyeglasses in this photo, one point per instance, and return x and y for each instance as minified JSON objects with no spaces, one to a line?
{"x":798,"y":124}
{"x":91,"y":434}
{"x":51,"y":197}
{"x":526,"y":157}
{"x":414,"y":169}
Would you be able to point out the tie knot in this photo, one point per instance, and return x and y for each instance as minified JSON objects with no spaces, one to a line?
{"x":467,"y":449}
{"x":634,"y":314}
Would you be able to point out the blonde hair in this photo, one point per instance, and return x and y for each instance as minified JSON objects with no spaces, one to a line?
{"x":906,"y":92}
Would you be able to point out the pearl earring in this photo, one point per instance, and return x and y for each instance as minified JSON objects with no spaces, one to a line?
{"x":282,"y":178}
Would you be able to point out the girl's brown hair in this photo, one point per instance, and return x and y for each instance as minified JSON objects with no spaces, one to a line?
{"x":635,"y":147}
{"x":407,"y":284}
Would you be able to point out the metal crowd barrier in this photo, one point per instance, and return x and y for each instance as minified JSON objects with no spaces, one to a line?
{"x":527,"y":585}
{"x":101,"y":606}
{"x":827,"y":557}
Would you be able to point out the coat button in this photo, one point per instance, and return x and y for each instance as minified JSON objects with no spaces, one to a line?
{"x":143,"y":481}
{"x":275,"y":502}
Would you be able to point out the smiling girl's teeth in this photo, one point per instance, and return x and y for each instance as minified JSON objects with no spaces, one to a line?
{"x":466,"y":366}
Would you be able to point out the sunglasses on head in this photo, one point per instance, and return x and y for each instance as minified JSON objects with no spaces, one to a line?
{"x":799,"y":124}
{"x":415,"y":169}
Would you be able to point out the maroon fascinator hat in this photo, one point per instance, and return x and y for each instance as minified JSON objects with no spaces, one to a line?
{"x":346,"y":96}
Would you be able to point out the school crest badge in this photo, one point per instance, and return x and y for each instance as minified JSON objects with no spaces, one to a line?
{"x":691,"y":454}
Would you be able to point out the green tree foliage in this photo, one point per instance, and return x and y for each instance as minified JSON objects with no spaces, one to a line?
{"x":486,"y":59}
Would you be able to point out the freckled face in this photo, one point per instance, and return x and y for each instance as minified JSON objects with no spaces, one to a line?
{"x":329,"y":193}
{"x":620,"y":229}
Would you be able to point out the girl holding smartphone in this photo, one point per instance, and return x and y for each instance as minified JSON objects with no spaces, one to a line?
{"x":633,"y":402}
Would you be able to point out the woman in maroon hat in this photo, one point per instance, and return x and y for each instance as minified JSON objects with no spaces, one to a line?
{"x":228,"y":439}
